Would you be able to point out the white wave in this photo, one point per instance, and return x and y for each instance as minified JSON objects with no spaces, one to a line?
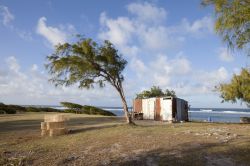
{"x":113,"y":109}
{"x":220,"y":112}
{"x":206,"y":110}
{"x":235,"y":112}
{"x":59,"y":107}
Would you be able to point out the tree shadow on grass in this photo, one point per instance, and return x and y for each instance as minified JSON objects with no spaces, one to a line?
{"x":210,"y":154}
{"x":79,"y":130}
{"x":28,"y":125}
{"x":18,"y":125}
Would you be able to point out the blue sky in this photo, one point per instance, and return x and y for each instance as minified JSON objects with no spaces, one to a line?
{"x":170,"y":44}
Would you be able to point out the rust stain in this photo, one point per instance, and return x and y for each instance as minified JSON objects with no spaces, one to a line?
{"x":138,"y":105}
{"x":158,"y":109}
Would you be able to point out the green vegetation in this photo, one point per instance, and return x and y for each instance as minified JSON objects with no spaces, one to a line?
{"x":42,"y":109}
{"x":72,"y":108}
{"x":10,"y":109}
{"x":71,"y":105}
{"x":232,"y":21}
{"x":86,"y":63}
{"x":155,"y":91}
{"x":233,"y":24}
{"x":237,"y":89}
{"x":86,"y":109}
{"x":13,"y":109}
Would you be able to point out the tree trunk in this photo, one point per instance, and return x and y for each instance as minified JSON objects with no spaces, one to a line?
{"x":125,"y":106}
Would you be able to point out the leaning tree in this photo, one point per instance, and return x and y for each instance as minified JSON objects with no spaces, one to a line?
{"x":86,"y":63}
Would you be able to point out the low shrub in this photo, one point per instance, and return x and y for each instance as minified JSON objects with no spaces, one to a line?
{"x":2,"y":112}
{"x":96,"y":111}
{"x":8,"y":109}
{"x":69,"y":111}
{"x":41,"y":109}
{"x":86,"y":109}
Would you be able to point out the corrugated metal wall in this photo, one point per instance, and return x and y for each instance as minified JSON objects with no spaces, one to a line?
{"x":148,"y":107}
{"x":138,"y":105}
{"x":166,"y":109}
{"x":158,"y":109}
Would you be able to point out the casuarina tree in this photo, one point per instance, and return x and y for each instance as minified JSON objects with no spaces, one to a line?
{"x":233,"y":25}
{"x":86,"y":63}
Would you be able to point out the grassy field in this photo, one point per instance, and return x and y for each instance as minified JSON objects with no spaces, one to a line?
{"x":99,"y":140}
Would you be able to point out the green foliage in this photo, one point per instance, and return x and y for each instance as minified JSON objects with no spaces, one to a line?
{"x":41,"y":109}
{"x":10,"y":109}
{"x":96,"y":111}
{"x":232,"y":21}
{"x":85,"y":109}
{"x":69,"y":111}
{"x":86,"y":63}
{"x":71,"y":105}
{"x":237,"y":89}
{"x":155,"y":91}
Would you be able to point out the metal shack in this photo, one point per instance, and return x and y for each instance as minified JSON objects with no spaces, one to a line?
{"x":162,"y":108}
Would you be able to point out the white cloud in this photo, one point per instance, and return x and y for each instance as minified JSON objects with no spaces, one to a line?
{"x":147,"y":12}
{"x":7,"y":16}
{"x":34,"y":67}
{"x":225,"y":55}
{"x":145,"y":36}
{"x":131,"y":35}
{"x":7,"y":19}
{"x":24,"y":35}
{"x":155,"y":38}
{"x":12,"y":64}
{"x":32,"y":87}
{"x":118,"y":31}
{"x":198,"y":27}
{"x":214,"y":77}
{"x":53,"y":34}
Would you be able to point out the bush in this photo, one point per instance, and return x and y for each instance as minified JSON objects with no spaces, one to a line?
{"x":69,"y":111}
{"x":71,"y":105}
{"x":46,"y":109}
{"x":8,"y":109}
{"x":86,"y":109}
{"x":12,"y":109}
{"x":96,"y":111}
{"x":2,"y":112}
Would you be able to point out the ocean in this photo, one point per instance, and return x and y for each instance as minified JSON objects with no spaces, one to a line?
{"x":229,"y":115}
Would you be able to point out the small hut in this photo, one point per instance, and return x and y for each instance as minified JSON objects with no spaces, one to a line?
{"x":162,"y":108}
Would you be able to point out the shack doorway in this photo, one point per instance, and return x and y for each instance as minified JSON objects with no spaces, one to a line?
{"x":158,"y":109}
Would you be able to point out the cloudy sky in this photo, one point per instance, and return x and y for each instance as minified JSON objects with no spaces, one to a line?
{"x":167,"y":43}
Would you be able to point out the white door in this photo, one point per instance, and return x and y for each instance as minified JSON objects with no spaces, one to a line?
{"x":166,"y":109}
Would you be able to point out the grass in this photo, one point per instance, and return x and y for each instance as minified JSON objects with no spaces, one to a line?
{"x":99,"y":140}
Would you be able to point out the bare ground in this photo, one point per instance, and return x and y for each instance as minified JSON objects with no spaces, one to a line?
{"x":98,"y":140}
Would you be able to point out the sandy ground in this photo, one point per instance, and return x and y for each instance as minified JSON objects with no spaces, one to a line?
{"x":98,"y":140}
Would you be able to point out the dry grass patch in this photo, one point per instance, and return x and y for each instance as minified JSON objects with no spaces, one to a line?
{"x":98,"y":140}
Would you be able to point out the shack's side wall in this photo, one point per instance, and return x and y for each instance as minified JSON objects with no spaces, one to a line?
{"x":182,"y":110}
{"x":185,"y":114}
{"x":166,"y":109}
